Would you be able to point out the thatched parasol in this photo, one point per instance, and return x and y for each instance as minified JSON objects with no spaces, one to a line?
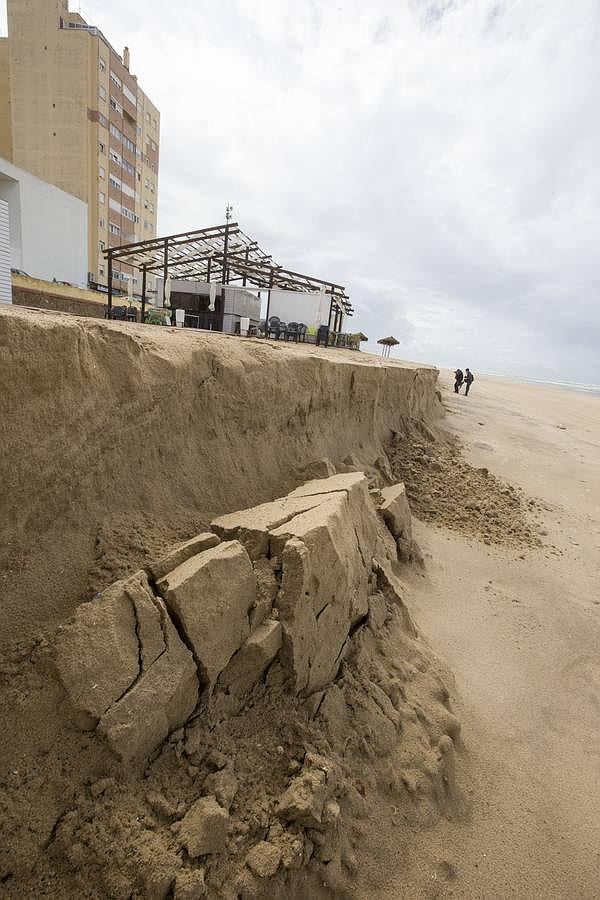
{"x":388,"y":343}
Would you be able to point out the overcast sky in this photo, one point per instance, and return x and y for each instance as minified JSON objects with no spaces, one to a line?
{"x":441,"y":158}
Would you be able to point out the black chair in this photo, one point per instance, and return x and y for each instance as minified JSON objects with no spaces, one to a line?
{"x":131,"y":314}
{"x":323,"y":335}
{"x":274,"y":327}
{"x":302,"y":329}
{"x":292,"y":332}
{"x":119,"y":313}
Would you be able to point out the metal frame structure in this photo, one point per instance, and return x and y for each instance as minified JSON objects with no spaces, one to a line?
{"x":222,"y":254}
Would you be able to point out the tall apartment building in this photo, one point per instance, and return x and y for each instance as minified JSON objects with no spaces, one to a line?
{"x":72,"y":113}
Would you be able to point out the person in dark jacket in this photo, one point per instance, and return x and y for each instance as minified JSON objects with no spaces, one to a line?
{"x":458,"y":380}
{"x":468,"y":380}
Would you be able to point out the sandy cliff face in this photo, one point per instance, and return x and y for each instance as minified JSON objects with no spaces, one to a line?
{"x":117,"y":440}
{"x":204,"y":696}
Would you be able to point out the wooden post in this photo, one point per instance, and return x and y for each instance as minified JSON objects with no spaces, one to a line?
{"x":268,"y":305}
{"x":110,"y":288}
{"x":143,"y":294}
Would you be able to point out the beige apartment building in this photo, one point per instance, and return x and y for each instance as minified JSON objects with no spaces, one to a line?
{"x":72,"y":113}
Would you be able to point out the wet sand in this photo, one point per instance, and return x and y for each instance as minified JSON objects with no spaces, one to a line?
{"x":522,"y":636}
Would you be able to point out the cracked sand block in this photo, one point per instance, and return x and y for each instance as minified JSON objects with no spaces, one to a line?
{"x":252,"y":526}
{"x":161,"y":699}
{"x":204,"y":828}
{"x":210,"y":596}
{"x":390,"y":586}
{"x":324,"y":589}
{"x":395,"y":510}
{"x":252,"y":659}
{"x":97,"y":654}
{"x":181,"y":552}
{"x":356,"y":487}
{"x":149,"y":624}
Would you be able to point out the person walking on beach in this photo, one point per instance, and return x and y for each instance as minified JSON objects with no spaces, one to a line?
{"x":468,"y":380}
{"x":458,"y":380}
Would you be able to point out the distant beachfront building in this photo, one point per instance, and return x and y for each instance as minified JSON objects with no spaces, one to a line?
{"x":72,"y":114}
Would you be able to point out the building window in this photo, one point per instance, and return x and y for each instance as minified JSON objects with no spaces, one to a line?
{"x":115,"y":157}
{"x":101,"y":222}
{"x":101,"y":270}
{"x":116,"y":106}
{"x":101,"y":197}
{"x":103,"y":120}
{"x":101,"y":172}
{"x":102,"y":91}
{"x":101,"y":147}
{"x":114,"y":229}
{"x":114,"y":182}
{"x":115,"y":80}
{"x":102,"y":245}
{"x":102,"y":64}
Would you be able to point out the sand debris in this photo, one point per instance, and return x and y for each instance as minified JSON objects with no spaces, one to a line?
{"x":446,"y":490}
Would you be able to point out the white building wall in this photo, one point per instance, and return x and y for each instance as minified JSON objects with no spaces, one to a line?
{"x":48,"y":227}
{"x":5,"y":282}
{"x":295,"y":306}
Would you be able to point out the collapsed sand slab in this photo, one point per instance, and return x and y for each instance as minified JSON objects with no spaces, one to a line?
{"x":210,"y":596}
{"x":395,"y":510}
{"x":125,"y":669}
{"x":252,"y":527}
{"x":325,"y":534}
{"x":132,"y":662}
{"x":181,"y":553}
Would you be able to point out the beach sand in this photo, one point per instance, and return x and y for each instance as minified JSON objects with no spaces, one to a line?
{"x":521,"y":632}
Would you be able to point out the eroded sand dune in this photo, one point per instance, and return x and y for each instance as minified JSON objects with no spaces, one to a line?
{"x":220,"y":717}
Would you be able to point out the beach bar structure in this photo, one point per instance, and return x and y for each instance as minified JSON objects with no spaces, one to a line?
{"x":222,"y":255}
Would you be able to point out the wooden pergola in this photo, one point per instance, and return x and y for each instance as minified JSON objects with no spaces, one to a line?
{"x":225,"y":255}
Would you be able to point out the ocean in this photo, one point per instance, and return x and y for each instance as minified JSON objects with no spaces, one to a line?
{"x":579,"y":387}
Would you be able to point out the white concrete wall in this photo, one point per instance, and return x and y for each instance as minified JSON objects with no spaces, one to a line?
{"x":48,"y":227}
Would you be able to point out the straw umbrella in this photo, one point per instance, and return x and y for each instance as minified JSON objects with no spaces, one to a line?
{"x":357,"y":339}
{"x":388,"y":343}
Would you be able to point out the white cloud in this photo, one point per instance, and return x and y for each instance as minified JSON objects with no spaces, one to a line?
{"x":440,"y":157}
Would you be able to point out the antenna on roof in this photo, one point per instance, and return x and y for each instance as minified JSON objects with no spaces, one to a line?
{"x":228,"y":211}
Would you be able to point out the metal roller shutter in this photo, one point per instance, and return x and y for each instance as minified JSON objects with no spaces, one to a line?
{"x":5,"y":280}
